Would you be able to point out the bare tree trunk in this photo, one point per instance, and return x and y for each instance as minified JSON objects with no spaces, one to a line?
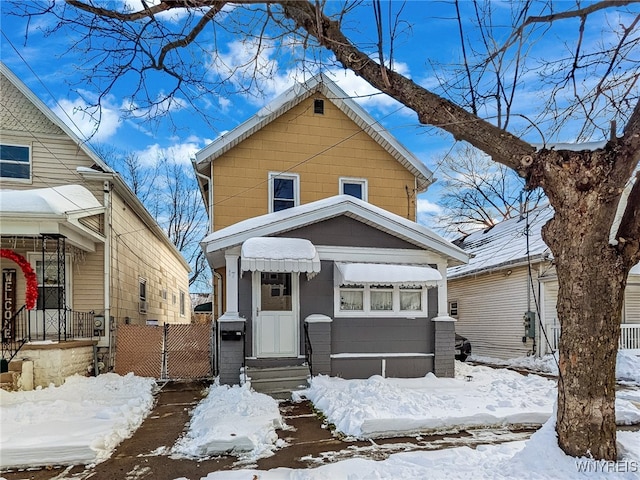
{"x":592,"y":277}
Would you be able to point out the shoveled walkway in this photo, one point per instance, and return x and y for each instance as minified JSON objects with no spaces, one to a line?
{"x":309,"y":443}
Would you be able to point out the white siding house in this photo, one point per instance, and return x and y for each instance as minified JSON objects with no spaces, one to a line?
{"x":511,"y":273}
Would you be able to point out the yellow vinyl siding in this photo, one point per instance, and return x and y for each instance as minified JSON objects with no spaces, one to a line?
{"x":137,"y":253}
{"x":320,"y":149}
{"x":88,"y":281}
{"x":490,"y":311}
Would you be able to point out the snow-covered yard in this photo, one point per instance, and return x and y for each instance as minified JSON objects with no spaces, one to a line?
{"x":83,"y":420}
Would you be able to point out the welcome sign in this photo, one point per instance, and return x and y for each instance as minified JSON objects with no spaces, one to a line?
{"x":8,"y":302}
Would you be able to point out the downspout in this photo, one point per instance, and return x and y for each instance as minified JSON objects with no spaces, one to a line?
{"x":106,"y":189}
{"x":209,"y":195}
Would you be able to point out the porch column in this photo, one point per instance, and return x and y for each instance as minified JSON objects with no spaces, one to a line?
{"x":231,"y":327}
{"x":443,"y":304}
{"x":444,"y":361}
{"x":231,"y":285}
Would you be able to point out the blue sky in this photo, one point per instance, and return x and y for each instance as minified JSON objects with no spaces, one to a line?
{"x":429,"y":37}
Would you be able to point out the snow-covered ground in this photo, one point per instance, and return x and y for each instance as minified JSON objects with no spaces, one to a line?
{"x":83,"y":420}
{"x":379,"y":407}
{"x":79,"y":422}
{"x":627,"y":365}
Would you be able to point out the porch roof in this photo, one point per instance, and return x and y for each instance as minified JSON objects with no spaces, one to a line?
{"x":283,"y":221}
{"x":386,"y":274}
{"x":274,"y":254}
{"x":54,"y":210}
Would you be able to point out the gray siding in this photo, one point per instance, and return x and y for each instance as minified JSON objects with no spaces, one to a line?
{"x":382,"y":335}
{"x":347,"y":232}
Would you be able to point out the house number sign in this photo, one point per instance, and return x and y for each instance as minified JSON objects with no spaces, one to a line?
{"x":8,"y":302}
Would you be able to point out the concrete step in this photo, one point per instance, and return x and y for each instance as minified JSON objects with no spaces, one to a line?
{"x":278,"y":372}
{"x":279,"y":382}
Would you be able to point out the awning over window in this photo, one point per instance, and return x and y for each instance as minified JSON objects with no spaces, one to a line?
{"x":274,"y":254}
{"x":385,"y":274}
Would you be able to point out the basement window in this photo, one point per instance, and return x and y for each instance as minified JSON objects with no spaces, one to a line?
{"x":318,"y":106}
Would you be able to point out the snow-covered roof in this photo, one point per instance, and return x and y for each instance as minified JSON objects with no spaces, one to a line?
{"x":505,"y":244}
{"x":292,"y":97}
{"x":60,"y":200}
{"x":54,"y":210}
{"x":293,"y":218}
{"x":275,"y":254}
{"x":377,"y":273}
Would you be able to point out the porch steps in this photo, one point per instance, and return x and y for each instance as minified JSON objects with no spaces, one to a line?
{"x":279,"y":382}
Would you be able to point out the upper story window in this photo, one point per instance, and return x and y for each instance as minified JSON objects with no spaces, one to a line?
{"x":284,"y":191}
{"x":15,"y":162}
{"x":318,"y":106}
{"x":356,"y":187}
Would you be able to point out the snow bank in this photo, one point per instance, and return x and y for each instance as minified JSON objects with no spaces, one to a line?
{"x":478,"y":396}
{"x":79,"y":422}
{"x":379,"y":407}
{"x":231,"y":419}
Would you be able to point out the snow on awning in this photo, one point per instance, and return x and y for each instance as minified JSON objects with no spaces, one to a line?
{"x":385,"y":274}
{"x":275,"y":254}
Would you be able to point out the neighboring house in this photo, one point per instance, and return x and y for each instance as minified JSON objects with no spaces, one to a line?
{"x":99,"y":258}
{"x":511,"y":273}
{"x":314,"y":245}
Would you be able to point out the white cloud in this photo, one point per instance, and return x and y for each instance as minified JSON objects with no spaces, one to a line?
{"x":425,"y":206}
{"x":88,"y":122}
{"x":181,"y":153}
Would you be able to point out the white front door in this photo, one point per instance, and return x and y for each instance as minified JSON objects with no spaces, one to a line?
{"x":275,"y":319}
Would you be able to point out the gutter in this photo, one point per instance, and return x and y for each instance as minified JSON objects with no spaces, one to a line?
{"x":541,"y":257}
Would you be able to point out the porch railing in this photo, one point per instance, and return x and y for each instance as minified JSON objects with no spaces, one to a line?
{"x":30,"y":325}
{"x":15,"y":333}
{"x":629,"y":336}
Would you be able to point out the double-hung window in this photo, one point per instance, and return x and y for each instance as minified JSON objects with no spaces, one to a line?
{"x":356,"y":187}
{"x":15,"y":162}
{"x":284,"y":191}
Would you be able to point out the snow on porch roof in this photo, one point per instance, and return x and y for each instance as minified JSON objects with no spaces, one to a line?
{"x":378,"y":273}
{"x":274,"y":254}
{"x":59,"y":200}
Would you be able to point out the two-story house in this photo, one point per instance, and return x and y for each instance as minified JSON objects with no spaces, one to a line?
{"x":315,"y":246}
{"x":77,"y":238}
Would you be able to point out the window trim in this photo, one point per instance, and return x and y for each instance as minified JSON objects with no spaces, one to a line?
{"x":183,"y":303}
{"x":453,"y":311}
{"x":30,"y":163}
{"x":360,"y":181}
{"x":318,"y":106}
{"x":366,"y":302}
{"x":296,"y":187}
{"x":143,"y":302}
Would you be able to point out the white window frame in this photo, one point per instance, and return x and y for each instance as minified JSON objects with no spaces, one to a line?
{"x":454,"y":307}
{"x":143,"y":300}
{"x":360,"y":181}
{"x":366,"y":301}
{"x":183,"y":303}
{"x":13,"y":179}
{"x":296,"y":187}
